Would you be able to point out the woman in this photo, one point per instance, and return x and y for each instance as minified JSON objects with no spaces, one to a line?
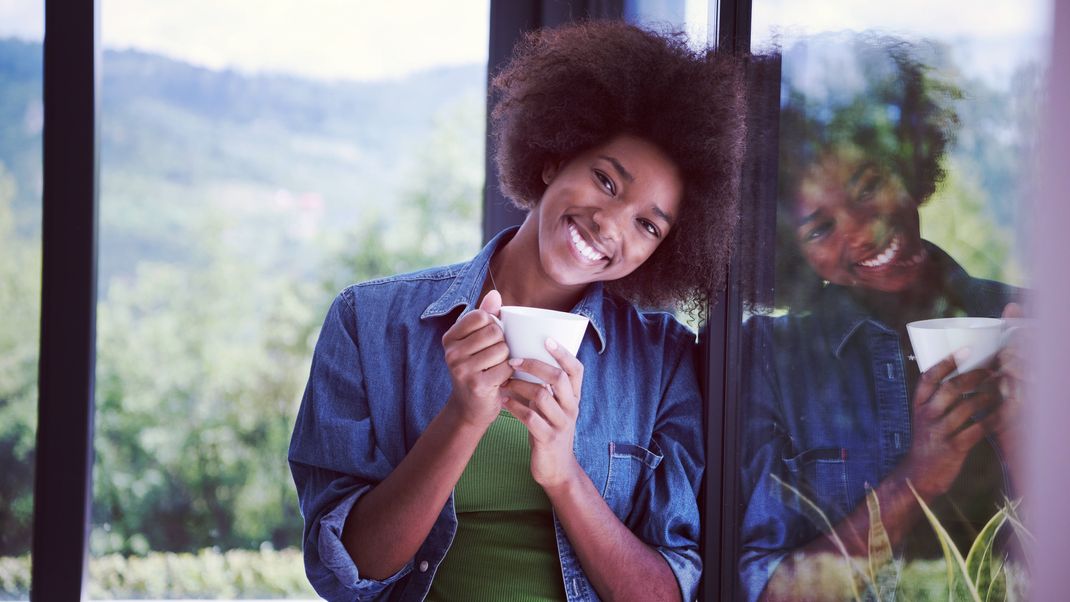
{"x":835,"y":405}
{"x":423,"y":468}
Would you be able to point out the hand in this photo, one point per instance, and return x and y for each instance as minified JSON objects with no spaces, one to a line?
{"x":1005,"y":422}
{"x":549,"y":412}
{"x":946,"y":424}
{"x":476,"y":356}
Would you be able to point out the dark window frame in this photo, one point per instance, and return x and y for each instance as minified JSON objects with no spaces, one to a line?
{"x":64,"y":455}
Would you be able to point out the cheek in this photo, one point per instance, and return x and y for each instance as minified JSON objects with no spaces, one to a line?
{"x":821,"y":259}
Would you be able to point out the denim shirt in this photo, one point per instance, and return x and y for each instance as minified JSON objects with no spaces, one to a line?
{"x":826,"y":409}
{"x":379,"y":377}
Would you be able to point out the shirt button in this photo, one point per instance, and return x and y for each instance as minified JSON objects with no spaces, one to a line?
{"x":423,"y":566}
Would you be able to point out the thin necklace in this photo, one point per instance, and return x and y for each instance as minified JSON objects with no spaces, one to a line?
{"x":492,"y":282}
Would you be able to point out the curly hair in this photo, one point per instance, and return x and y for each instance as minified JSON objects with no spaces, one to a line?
{"x":572,"y":88}
{"x":867,"y":91}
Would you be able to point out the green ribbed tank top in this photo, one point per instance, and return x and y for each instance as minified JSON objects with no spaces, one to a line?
{"x":505,"y":548}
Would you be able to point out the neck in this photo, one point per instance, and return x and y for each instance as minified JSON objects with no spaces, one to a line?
{"x":520,"y":277}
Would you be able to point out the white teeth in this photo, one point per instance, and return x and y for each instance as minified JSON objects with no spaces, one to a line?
{"x":885,"y":257}
{"x":582,"y":246}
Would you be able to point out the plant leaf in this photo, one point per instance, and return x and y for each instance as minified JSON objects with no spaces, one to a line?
{"x":980,"y":563}
{"x":883,"y":571}
{"x":814,"y":513}
{"x":956,"y":566}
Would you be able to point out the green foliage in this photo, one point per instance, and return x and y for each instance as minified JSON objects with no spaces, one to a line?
{"x":206,"y":574}
{"x":983,"y":576}
{"x":20,"y":293}
{"x":958,"y":577}
{"x":883,"y":569}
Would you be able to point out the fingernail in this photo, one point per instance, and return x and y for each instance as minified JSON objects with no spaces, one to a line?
{"x":551,"y":344}
{"x":515,"y":362}
{"x":962,"y":354}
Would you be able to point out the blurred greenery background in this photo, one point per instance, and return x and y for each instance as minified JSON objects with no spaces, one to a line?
{"x":232,"y":209}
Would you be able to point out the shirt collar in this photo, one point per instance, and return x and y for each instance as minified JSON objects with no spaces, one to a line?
{"x":843,"y":316}
{"x":465,"y":289}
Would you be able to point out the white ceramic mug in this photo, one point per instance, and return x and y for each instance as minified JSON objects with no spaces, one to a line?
{"x":976,"y":340}
{"x":527,"y":328}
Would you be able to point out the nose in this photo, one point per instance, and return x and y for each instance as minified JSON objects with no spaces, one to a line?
{"x":608,"y":222}
{"x":858,"y":230}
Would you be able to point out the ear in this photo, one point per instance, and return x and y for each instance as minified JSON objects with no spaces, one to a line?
{"x":549,"y":171}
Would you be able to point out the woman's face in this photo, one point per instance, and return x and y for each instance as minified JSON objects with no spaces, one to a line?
{"x":605,"y":211}
{"x":856,"y":224}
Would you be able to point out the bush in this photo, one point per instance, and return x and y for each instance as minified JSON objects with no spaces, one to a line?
{"x":208,"y":574}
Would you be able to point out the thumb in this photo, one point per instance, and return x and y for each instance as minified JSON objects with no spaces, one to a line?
{"x":492,"y":303}
{"x":1013,"y":310}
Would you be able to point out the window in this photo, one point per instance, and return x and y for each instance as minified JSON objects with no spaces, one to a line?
{"x":903,"y":188}
{"x":253,"y":163}
{"x":20,"y":282}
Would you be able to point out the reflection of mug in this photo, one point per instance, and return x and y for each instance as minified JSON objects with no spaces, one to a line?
{"x":978,"y":340}
{"x":527,"y":328}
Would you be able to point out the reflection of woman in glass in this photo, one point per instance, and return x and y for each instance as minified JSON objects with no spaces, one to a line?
{"x":835,"y":405}
{"x":423,"y":468}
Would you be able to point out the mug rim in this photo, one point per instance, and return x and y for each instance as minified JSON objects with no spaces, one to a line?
{"x":524,"y":310}
{"x":962,"y":323}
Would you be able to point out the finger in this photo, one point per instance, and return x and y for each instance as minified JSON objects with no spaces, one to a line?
{"x":949,"y":392}
{"x":540,"y":398}
{"x":492,"y":303}
{"x":968,"y":435}
{"x":969,"y":409}
{"x":571,"y":366}
{"x":1001,"y":418}
{"x":498,"y":375}
{"x":467,"y":324}
{"x":1013,"y":310}
{"x":932,"y":378}
{"x":491,"y":357}
{"x":539,"y":369}
{"x":536,"y":425}
{"x":476,"y":341}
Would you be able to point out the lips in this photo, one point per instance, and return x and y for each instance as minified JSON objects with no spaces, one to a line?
{"x":891,"y":255}
{"x":583,"y":247}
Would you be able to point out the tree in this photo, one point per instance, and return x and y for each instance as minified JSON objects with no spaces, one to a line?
{"x":20,"y":294}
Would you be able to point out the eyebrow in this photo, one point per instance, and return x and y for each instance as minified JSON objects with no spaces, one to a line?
{"x":861,"y":171}
{"x":665,"y":216}
{"x":624,"y":173}
{"x":806,"y":219}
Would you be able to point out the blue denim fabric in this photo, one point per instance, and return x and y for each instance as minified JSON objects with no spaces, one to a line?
{"x":826,"y":409}
{"x":378,"y":378}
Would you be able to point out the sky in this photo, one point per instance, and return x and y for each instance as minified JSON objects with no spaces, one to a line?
{"x":325,"y":39}
{"x":373,"y":39}
{"x":989,"y":37}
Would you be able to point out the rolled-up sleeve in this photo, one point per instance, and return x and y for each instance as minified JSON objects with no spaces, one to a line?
{"x":334,"y":457}
{"x":666,"y":512}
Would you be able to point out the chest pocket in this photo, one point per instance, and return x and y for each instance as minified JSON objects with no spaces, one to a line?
{"x":832,"y":478}
{"x":629,"y":465}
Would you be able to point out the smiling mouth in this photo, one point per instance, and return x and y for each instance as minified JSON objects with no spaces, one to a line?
{"x":585,"y":250}
{"x":891,"y":255}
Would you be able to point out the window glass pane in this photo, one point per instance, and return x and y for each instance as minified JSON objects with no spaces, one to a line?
{"x":21,"y":121}
{"x":903,"y":188}
{"x":255,"y":162}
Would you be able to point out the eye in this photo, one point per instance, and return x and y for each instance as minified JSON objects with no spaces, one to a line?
{"x":650,"y":227}
{"x":821,"y":230}
{"x":869,"y":188}
{"x":606,"y":182}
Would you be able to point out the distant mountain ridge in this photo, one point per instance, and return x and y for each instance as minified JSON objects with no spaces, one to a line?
{"x":179,"y":142}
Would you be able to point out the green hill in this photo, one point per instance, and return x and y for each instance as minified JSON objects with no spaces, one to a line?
{"x":185,"y":149}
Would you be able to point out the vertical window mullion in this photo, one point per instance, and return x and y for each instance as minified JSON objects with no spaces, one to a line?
{"x":64,"y":461}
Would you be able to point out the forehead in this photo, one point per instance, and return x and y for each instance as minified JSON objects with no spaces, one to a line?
{"x":825,"y":181}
